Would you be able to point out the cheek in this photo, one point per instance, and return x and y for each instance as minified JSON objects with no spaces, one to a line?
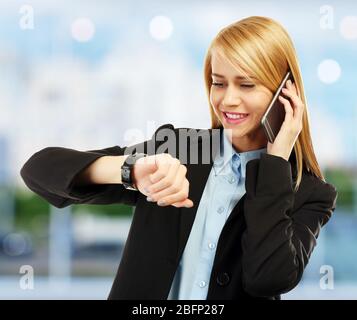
{"x":258,"y":104}
{"x":264,"y":101}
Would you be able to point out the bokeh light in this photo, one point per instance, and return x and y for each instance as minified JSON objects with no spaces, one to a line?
{"x":329,"y":71}
{"x":161,"y":28}
{"x":348,"y":27}
{"x":82,"y":29}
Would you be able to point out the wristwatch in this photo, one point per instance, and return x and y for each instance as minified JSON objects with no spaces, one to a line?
{"x":127,"y":168}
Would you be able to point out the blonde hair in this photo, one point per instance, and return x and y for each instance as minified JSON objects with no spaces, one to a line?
{"x":261,"y":47}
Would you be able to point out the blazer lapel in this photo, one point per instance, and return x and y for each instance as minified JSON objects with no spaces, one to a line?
{"x":197,"y":175}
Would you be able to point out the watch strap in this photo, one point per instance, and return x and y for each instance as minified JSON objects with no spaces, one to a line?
{"x":127,"y":170}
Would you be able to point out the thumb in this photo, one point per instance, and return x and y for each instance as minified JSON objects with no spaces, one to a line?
{"x":187,"y":203}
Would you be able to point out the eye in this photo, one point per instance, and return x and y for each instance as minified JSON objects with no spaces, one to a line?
{"x":242,"y":85}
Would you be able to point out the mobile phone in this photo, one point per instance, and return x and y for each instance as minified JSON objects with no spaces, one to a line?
{"x":274,"y":116}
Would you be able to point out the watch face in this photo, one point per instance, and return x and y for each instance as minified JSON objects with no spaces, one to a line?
{"x":126,"y":174}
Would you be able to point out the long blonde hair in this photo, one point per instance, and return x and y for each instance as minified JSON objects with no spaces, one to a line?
{"x":261,"y":47}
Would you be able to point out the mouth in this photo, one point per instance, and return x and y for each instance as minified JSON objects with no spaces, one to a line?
{"x":234,"y":117}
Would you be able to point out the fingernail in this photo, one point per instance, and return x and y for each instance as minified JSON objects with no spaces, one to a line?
{"x":187,"y":206}
{"x":161,"y":203}
{"x":146,"y":190}
{"x":148,"y":199}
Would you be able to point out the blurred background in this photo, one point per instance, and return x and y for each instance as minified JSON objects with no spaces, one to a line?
{"x":94,"y":74}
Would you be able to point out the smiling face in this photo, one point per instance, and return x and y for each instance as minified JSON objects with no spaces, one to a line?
{"x":233,"y":94}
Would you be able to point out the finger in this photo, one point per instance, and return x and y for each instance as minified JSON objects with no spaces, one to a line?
{"x":181,"y":195}
{"x":167,"y":181}
{"x":172,"y":188}
{"x":163,"y":164}
{"x":293,"y":96}
{"x":293,"y":87}
{"x":178,"y":197}
{"x":288,"y":108}
{"x":297,"y":103}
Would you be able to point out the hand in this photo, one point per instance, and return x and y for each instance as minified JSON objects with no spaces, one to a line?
{"x":163,"y":179}
{"x":292,"y":125}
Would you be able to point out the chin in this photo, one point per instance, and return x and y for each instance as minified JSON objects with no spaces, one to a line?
{"x":238,"y":132}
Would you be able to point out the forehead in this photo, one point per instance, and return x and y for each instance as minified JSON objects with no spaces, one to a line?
{"x":221,"y":66}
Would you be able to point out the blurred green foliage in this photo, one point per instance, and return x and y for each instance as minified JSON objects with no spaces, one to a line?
{"x":28,"y":208}
{"x":29,"y":205}
{"x":343,"y":181}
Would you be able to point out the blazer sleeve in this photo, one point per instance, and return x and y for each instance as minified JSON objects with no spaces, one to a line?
{"x":278,"y":241}
{"x":50,"y":173}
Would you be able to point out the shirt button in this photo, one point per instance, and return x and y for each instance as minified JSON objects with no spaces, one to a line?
{"x":220,"y":210}
{"x":223,"y":279}
{"x":232,"y":179}
{"x":211,"y":245}
{"x":202,"y":284}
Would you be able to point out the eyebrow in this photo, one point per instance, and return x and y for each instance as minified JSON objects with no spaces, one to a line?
{"x":238,"y":77}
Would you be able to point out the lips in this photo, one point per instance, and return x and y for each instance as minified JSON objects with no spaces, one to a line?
{"x":238,"y":113}
{"x":235,"y":120}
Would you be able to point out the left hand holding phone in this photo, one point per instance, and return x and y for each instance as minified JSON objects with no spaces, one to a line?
{"x":292,"y":125}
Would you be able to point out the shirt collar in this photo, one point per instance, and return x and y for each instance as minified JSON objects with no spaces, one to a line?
{"x":227,"y":151}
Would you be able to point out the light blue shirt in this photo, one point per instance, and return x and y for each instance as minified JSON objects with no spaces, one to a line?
{"x":224,"y":187}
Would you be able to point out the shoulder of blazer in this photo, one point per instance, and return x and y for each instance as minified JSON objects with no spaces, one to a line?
{"x":317,"y":194}
{"x":313,"y":187}
{"x":322,"y":189}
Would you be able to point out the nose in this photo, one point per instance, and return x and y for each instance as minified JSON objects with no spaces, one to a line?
{"x":231,"y":97}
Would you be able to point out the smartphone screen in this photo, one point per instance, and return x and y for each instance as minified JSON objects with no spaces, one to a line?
{"x":274,"y":116}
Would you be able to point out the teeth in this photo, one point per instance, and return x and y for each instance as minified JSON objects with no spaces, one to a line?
{"x":234,"y":116}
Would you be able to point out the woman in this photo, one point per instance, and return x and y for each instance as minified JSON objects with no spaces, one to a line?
{"x":242,"y":224}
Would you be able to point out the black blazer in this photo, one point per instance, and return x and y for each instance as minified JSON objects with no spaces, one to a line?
{"x":264,"y":245}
